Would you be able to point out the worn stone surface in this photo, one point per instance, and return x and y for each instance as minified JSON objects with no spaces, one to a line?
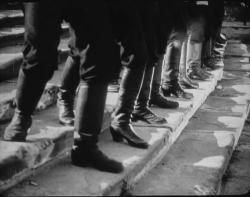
{"x":189,"y":168}
{"x":197,"y":161}
{"x":7,"y":104}
{"x":136,"y":161}
{"x":236,"y":180}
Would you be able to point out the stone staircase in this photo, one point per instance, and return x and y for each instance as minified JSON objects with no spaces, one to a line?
{"x":48,"y":143}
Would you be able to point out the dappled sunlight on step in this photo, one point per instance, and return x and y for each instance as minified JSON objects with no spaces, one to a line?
{"x":224,"y":138}
{"x":155,"y":136}
{"x":211,"y":162}
{"x":231,"y":122}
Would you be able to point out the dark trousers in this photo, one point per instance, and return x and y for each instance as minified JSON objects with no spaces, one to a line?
{"x":92,"y":44}
{"x":148,"y":10}
{"x":91,"y":38}
{"x":175,"y":30}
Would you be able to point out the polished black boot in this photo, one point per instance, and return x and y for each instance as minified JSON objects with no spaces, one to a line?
{"x":194,"y":61}
{"x":66,"y":96}
{"x":197,"y":74}
{"x":65,"y":105}
{"x":29,"y":91}
{"x":175,"y":89}
{"x":156,"y":98}
{"x":141,"y":109}
{"x":146,"y":115}
{"x":186,"y":82}
{"x":121,"y":132}
{"x":87,"y":154}
{"x":160,"y":101}
{"x":88,"y":123}
{"x":120,"y":127}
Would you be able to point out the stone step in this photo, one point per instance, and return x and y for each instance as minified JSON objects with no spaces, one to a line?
{"x":197,"y":161}
{"x":11,"y":5}
{"x":10,"y":18}
{"x":11,"y":59}
{"x":11,"y":36}
{"x":49,"y":141}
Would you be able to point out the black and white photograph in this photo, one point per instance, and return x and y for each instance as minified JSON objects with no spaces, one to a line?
{"x":124,"y":97}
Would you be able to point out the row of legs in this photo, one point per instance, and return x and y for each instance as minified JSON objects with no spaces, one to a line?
{"x":140,"y":87}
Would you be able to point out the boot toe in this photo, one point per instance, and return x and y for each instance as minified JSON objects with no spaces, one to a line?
{"x":17,"y":129}
{"x":66,"y":121}
{"x":95,"y":159}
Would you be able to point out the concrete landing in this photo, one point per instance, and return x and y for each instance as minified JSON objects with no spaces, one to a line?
{"x":48,"y":141}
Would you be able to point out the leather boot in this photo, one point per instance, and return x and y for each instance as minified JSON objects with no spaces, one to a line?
{"x":69,"y":82}
{"x":156,"y":98}
{"x":194,"y":61}
{"x":121,"y":127}
{"x":215,"y":61}
{"x":86,"y":153}
{"x":29,"y":91}
{"x":65,"y":105}
{"x":184,"y":80}
{"x":141,"y":109}
{"x":175,"y":89}
{"x":89,"y":116}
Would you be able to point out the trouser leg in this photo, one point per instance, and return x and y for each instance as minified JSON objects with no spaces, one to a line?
{"x":66,"y":96}
{"x":39,"y":62}
{"x":185,"y":81}
{"x":170,"y":71}
{"x":93,"y":43}
{"x":196,"y":31}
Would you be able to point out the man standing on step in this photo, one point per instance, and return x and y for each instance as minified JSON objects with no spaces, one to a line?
{"x":149,"y":11}
{"x":93,"y":44}
{"x":197,"y":22}
{"x":215,"y":43}
{"x":172,"y":23}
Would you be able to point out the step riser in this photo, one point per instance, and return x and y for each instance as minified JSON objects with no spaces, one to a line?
{"x":18,"y":39}
{"x":12,"y":21}
{"x":11,"y":68}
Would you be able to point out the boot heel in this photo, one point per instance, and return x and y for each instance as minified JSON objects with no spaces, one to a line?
{"x":117,"y":137}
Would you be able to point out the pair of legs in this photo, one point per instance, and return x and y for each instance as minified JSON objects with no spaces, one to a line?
{"x":92,"y":44}
{"x":215,"y":40}
{"x":196,"y":26}
{"x":127,"y":28}
{"x":172,"y":34}
{"x":149,"y":12}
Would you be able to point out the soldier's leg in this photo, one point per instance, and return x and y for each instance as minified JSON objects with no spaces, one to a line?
{"x":164,"y":25}
{"x":196,"y":27}
{"x":69,"y":83}
{"x":185,"y":81}
{"x":95,"y":46}
{"x":129,"y":28}
{"x":170,"y":70}
{"x":148,"y":11}
{"x":42,"y":31}
{"x":67,"y":91}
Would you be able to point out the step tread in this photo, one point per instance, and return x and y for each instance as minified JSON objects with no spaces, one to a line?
{"x":197,"y":161}
{"x":96,"y":182}
{"x":10,"y":14}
